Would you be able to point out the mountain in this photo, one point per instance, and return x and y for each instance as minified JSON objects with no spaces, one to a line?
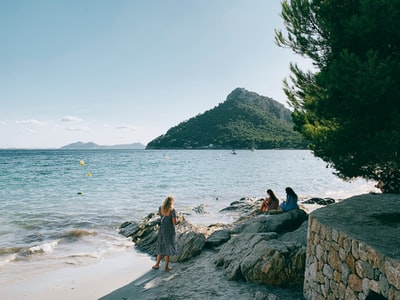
{"x":91,"y":145}
{"x":244,"y":120}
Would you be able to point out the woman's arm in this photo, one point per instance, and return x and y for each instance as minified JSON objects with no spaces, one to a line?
{"x":173,"y":216}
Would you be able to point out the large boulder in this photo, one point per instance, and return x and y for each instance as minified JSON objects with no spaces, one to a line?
{"x":190,"y":238}
{"x":143,"y":234}
{"x":191,"y":242}
{"x":244,"y":205}
{"x":277,"y":222}
{"x":233,"y":253}
{"x":218,"y":238}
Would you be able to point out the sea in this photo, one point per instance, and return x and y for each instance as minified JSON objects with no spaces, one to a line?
{"x":62,"y":208}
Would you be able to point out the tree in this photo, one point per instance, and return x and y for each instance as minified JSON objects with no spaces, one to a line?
{"x":349,"y":106}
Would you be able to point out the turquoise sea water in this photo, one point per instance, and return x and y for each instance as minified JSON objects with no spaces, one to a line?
{"x":55,"y":211}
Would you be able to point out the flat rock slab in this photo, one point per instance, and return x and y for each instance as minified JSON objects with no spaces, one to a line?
{"x":370,"y":218}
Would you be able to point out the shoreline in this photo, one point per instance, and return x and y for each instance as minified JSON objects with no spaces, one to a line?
{"x":128,"y":275}
{"x":81,"y":282}
{"x":118,"y":273}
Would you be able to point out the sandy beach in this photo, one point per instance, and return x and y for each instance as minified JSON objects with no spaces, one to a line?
{"x":129,"y":276}
{"x":80,"y":282}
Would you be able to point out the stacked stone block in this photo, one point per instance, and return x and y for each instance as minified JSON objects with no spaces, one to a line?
{"x":339,"y":266}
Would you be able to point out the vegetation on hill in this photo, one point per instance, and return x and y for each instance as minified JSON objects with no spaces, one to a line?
{"x":349,"y":107}
{"x":245,"y":120}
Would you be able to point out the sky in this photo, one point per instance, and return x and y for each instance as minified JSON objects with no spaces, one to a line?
{"x":125,"y":71}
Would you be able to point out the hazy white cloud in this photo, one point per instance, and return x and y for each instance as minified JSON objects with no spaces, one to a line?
{"x":71,"y":119}
{"x":28,"y":130}
{"x":78,"y":128}
{"x":31,"y":122}
{"x":126,"y":127}
{"x":121,"y":127}
{"x":3,"y":123}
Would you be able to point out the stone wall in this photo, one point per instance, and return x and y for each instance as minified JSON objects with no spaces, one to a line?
{"x":347,"y":250}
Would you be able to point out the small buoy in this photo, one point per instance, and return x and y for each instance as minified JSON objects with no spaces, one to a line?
{"x":88,"y":174}
{"x":82,"y":162}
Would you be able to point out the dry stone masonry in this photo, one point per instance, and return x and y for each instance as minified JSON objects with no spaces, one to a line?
{"x":353,"y":250}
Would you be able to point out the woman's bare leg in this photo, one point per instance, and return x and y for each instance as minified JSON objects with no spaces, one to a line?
{"x":157,"y":265}
{"x":167,"y":264}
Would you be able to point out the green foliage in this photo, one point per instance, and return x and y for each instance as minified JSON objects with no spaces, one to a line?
{"x":349,"y":109}
{"x":243,"y":121}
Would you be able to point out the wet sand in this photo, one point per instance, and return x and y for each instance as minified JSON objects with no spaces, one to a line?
{"x":80,"y":282}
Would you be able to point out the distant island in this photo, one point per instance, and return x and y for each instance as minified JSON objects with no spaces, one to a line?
{"x":245,"y":120}
{"x":91,"y":145}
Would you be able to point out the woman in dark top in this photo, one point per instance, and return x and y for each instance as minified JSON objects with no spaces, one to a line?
{"x":166,"y":242}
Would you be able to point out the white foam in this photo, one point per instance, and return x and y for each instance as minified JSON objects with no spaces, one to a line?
{"x":8,"y":259}
{"x":78,"y":282}
{"x":44,"y":248}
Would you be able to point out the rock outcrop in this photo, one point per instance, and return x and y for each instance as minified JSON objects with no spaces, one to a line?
{"x":259,"y":247}
{"x":258,"y":250}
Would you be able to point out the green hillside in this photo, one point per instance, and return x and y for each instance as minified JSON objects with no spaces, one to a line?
{"x":244,"y":120}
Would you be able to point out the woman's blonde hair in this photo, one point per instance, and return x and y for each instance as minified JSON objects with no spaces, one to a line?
{"x":168,"y":204}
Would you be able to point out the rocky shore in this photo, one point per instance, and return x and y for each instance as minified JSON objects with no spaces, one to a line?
{"x":258,"y":256}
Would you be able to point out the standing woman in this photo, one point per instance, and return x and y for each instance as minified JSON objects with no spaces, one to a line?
{"x":166,"y":242}
{"x":291,"y":200}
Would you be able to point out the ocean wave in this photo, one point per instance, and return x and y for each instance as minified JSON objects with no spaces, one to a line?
{"x":8,"y":255}
{"x":42,"y":248}
{"x":26,"y":251}
{"x":87,"y":255}
{"x":7,"y":259}
{"x":10,"y":250}
{"x":77,"y":259}
{"x":78,"y":233}
{"x":13,"y":254}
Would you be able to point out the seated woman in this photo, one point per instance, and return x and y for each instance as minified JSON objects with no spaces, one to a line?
{"x":291,"y":200}
{"x":270,"y":202}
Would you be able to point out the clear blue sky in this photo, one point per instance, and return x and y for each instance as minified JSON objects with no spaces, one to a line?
{"x":118,"y":72}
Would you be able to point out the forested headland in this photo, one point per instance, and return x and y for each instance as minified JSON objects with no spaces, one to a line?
{"x":245,"y":120}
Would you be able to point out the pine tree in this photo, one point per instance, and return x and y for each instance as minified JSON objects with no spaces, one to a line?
{"x":349,"y":106}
